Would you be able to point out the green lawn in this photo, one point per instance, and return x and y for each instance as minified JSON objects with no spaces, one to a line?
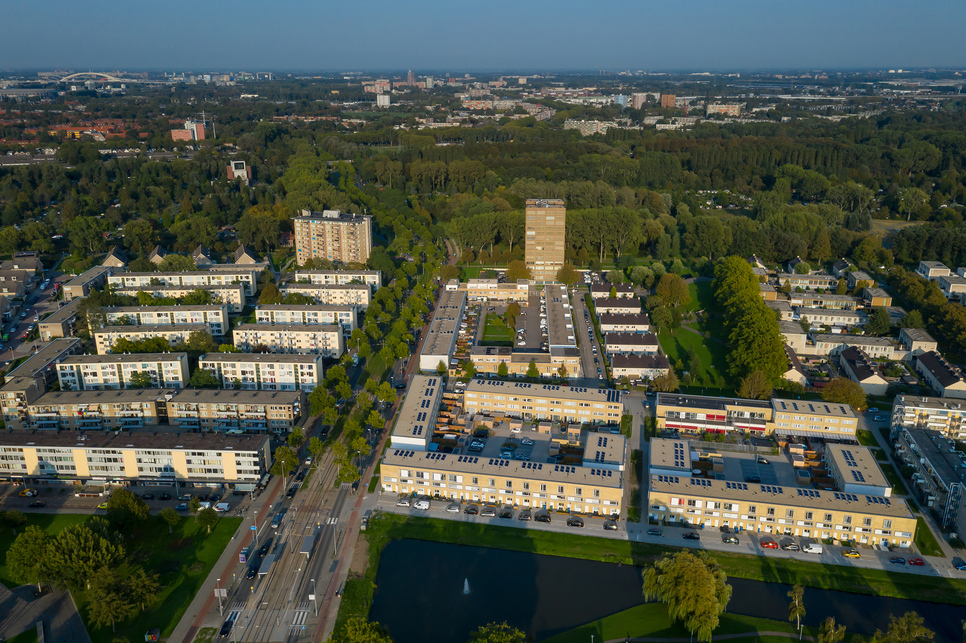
{"x":894,"y":478}
{"x":702,"y":297}
{"x":651,"y":620}
{"x":496,"y":332}
{"x":182,"y":561}
{"x":925,"y":541}
{"x":27,"y":636}
{"x":713,"y":356}
{"x":763,"y":568}
{"x":866,"y":438}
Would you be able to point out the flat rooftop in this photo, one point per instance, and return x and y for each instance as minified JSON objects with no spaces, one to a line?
{"x":136,"y":440}
{"x":931,"y":403}
{"x":118,"y":396}
{"x":560,"y":317}
{"x":320,"y":308}
{"x":855,"y":340}
{"x":158,"y":329}
{"x":289,"y":328}
{"x":260,"y":358}
{"x":814,"y":407}
{"x":208,"y":308}
{"x":708,"y":402}
{"x":630,"y":319}
{"x":229,"y":396}
{"x":482,"y":387}
{"x":949,"y":466}
{"x":442,"y":330}
{"x":177,"y":287}
{"x":857,"y":460}
{"x":420,"y":406}
{"x":39,"y":360}
{"x":88,"y":276}
{"x":295,"y":286}
{"x":122,"y":358}
{"x":64,"y":313}
{"x":367,"y":273}
{"x":918,"y":335}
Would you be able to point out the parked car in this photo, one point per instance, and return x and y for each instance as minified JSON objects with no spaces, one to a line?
{"x":653,"y":532}
{"x":731,"y":540}
{"x":506,"y":514}
{"x":851,"y":553}
{"x":574,"y":521}
{"x":880,"y":418}
{"x":185,"y":496}
{"x":525,"y":516}
{"x":610,"y":525}
{"x":471,"y":510}
{"x":181,"y":507}
{"x":896,"y":560}
{"x":691,"y":535}
{"x":918,"y":562}
{"x":542,"y":518}
{"x":165,"y":496}
{"x":769,"y":544}
{"x":28,"y":493}
{"x":147,"y":496}
{"x":488,"y":512}
{"x":37,"y":504}
{"x":453,"y":509}
{"x":791,"y":547}
{"x":403,"y":502}
{"x":526,"y":442}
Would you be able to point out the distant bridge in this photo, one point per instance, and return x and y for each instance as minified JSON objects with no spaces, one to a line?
{"x":91,"y":75}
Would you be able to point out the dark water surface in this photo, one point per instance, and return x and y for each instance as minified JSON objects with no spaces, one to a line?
{"x":419,"y":595}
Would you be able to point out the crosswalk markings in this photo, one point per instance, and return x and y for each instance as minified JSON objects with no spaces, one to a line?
{"x":299,"y":618}
{"x":331,"y":520}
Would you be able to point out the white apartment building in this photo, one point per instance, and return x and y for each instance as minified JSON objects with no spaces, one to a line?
{"x":321,"y":339}
{"x":332,"y":294}
{"x":543,"y":401}
{"x":214,"y":316}
{"x":333,"y":235}
{"x":345,"y":316}
{"x":340,"y":277}
{"x":105,"y":372}
{"x":238,"y":275}
{"x":231,"y":294}
{"x":943,"y":414}
{"x":265,"y":371}
{"x":104,"y":338}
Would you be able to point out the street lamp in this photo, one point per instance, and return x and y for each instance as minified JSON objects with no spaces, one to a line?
{"x":315,"y":598}
{"x":221,"y":608}
{"x":255,"y":535}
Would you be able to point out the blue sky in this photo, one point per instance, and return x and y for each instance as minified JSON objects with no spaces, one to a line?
{"x":497,"y":35}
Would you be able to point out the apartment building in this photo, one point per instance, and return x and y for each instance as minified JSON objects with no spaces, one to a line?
{"x":638,"y":367}
{"x":224,"y":276}
{"x":440,"y":342}
{"x":546,"y":234}
{"x":939,"y":474}
{"x":333,"y":235}
{"x":115,"y":410}
{"x":15,"y":395}
{"x":106,"y":337}
{"x":214,"y":316}
{"x":492,"y":289}
{"x":945,"y":379}
{"x":544,"y":401}
{"x":84,"y":283}
{"x":814,"y":419}
{"x":859,"y":368}
{"x":685,"y":486}
{"x":106,"y":372}
{"x":487,"y":360}
{"x":953,"y":286}
{"x":832,"y":317}
{"x":525,"y":485}
{"x":231,"y":294}
{"x":816,"y":300}
{"x":344,"y":316}
{"x":807,"y":282}
{"x":932,"y":270}
{"x":782,"y":308}
{"x":876,"y":297}
{"x":620,"y":291}
{"x":40,"y":457}
{"x":560,"y":317}
{"x":332,"y":294}
{"x":631,"y":344}
{"x":617,"y":306}
{"x":308,"y":339}
{"x":340,"y":277}
{"x":625,"y":323}
{"x":794,"y":334}
{"x":943,"y":414}
{"x":227,"y":411}
{"x":417,"y":416}
{"x":61,"y":323}
{"x":767,"y":292}
{"x":876,"y":347}
{"x":264,"y":371}
{"x":857,"y":279}
{"x":696,"y":413}
{"x":43,"y":363}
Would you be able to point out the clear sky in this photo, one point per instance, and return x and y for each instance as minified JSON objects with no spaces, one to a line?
{"x":496,"y":35}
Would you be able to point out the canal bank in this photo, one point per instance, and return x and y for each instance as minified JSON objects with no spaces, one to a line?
{"x":443,"y":592}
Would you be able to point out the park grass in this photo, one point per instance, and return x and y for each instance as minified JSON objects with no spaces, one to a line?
{"x":894,"y":478}
{"x":925,"y":541}
{"x":27,"y":636}
{"x":866,"y":438}
{"x":496,"y":332}
{"x":844,"y":578}
{"x":652,"y":620}
{"x":702,"y":297}
{"x":182,"y":561}
{"x":51,"y":523}
{"x":373,"y":484}
{"x":713,"y":356}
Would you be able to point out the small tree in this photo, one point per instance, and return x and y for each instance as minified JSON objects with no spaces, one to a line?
{"x":203,"y":378}
{"x":502,"y":370}
{"x":124,"y":509}
{"x":109,"y":603}
{"x":358,"y":630}
{"x":666,"y":382}
{"x":194,"y":505}
{"x":316,"y":447}
{"x":498,"y":633}
{"x":568,"y":275}
{"x":755,"y":387}
{"x":908,"y":628}
{"x":693,"y":587}
{"x":517,"y":270}
{"x":840,"y":288}
{"x":842,"y":390}
{"x":296,"y":438}
{"x":143,"y":588}
{"x":285,"y":461}
{"x":140,"y":379}
{"x":563,"y":372}
{"x":208,"y":518}
{"x":27,"y":556}
{"x":469,"y":368}
{"x":532,"y":371}
{"x":829,"y":632}
{"x":171,"y":517}
{"x":13,"y":519}
{"x":441,"y":368}
{"x":796,"y":608}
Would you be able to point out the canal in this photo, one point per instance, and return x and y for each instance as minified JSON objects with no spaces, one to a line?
{"x":420,"y":595}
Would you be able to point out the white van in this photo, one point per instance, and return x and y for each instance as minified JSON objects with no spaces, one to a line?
{"x":222,"y":507}
{"x":421,"y":504}
{"x":812,"y":548}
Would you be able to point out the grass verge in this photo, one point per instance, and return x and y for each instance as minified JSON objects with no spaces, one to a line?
{"x":713,"y":356}
{"x":877,"y":582}
{"x":925,"y":541}
{"x":496,"y":332}
{"x":865,"y":438}
{"x":652,"y":620}
{"x":894,"y":478}
{"x":27,"y":636}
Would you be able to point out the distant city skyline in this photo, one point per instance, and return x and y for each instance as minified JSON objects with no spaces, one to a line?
{"x":496,"y":36}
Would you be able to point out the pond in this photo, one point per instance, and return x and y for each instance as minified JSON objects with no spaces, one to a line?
{"x":420,"y":595}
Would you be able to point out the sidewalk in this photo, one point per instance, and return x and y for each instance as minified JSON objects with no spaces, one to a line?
{"x":205,"y":599}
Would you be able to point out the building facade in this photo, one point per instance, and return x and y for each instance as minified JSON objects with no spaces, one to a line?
{"x":226,"y":411}
{"x":264,"y":371}
{"x":440,"y":342}
{"x":107,"y":372}
{"x":339,"y":277}
{"x":333,"y":235}
{"x":223,"y":276}
{"x":322,"y":339}
{"x":215,"y":317}
{"x":943,"y":414}
{"x":546,"y":235}
{"x":344,"y":316}
{"x":332,"y":295}
{"x":106,"y":337}
{"x":487,"y":360}
{"x":231,"y":294}
{"x":544,"y":401}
